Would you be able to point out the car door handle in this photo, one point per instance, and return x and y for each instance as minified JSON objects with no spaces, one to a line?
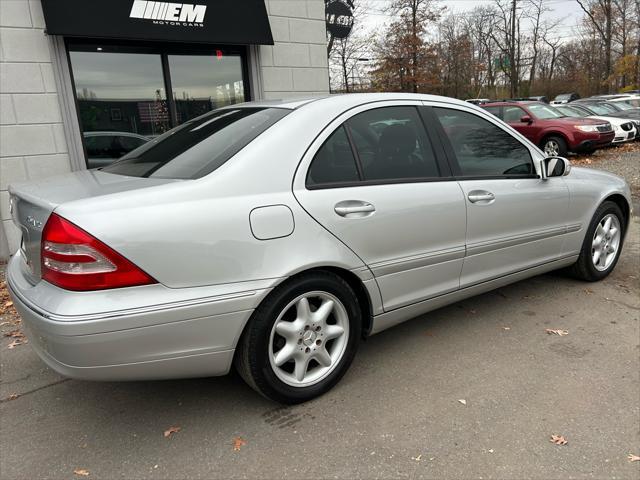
{"x":481,"y":196}
{"x":354,"y":209}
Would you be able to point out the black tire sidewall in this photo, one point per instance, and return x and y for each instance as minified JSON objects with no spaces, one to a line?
{"x":262,"y":323}
{"x":586,"y":259}
{"x":562,"y":145}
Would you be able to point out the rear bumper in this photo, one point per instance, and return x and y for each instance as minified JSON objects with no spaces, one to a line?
{"x":192,"y":337}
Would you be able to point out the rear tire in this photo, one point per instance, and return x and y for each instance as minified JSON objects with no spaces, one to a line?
{"x":554,"y":146}
{"x":302,"y":339}
{"x":602,"y":244}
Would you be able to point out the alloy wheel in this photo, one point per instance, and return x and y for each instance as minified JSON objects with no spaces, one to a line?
{"x":308,"y":339}
{"x":551,"y":148}
{"x":606,"y":242}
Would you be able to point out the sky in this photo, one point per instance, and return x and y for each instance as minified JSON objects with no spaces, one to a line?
{"x":373,"y":15}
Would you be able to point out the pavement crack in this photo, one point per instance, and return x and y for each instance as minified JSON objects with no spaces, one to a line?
{"x":29,"y":392}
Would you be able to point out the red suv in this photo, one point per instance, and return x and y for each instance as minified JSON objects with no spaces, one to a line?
{"x":555,"y":133}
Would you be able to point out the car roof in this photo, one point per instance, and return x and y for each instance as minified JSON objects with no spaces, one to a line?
{"x":348,"y":100}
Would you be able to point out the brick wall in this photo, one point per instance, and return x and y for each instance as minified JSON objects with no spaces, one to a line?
{"x":297,"y":64}
{"x":32,"y":141}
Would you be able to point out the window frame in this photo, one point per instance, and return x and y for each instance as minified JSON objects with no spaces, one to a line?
{"x":163,"y":50}
{"x":438,"y":151}
{"x":489,"y":117}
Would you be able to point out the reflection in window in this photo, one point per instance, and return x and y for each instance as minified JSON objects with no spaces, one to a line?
{"x":482,"y":148}
{"x":202,"y":83}
{"x":120,"y":92}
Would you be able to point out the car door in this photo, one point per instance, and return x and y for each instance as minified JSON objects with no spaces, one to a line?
{"x":374,"y":179}
{"x":515,"y":219}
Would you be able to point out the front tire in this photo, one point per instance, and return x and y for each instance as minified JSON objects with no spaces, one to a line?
{"x":302,"y":339}
{"x":554,"y":146}
{"x":602,"y":245}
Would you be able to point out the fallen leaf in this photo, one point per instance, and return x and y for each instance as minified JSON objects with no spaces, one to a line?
{"x":558,"y":440}
{"x":561,"y":333}
{"x":13,"y":396}
{"x":8,"y":304}
{"x":633,"y":458}
{"x":418,"y":458}
{"x":238,"y":443}
{"x":83,"y":472}
{"x":491,"y":450}
{"x":588,"y":291}
{"x":463,"y":401}
{"x":17,"y":342}
{"x":506,"y":328}
{"x":170,"y":431}
{"x":14,"y":334}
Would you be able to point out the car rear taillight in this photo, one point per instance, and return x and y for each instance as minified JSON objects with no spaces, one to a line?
{"x":74,"y":260}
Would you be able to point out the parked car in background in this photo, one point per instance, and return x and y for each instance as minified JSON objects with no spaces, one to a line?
{"x":277,"y":235}
{"x":542,"y":99}
{"x":104,"y":148}
{"x":602,"y":107}
{"x":554,"y":133}
{"x":625,"y":130}
{"x":565,"y":98}
{"x":631,"y":101}
{"x":478,"y":101}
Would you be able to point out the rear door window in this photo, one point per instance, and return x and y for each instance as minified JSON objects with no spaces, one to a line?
{"x":334,"y":163}
{"x":392,"y":144}
{"x":200,"y":146}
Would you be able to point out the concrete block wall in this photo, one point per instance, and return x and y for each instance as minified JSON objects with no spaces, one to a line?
{"x":297,"y":64}
{"x":32,"y":140}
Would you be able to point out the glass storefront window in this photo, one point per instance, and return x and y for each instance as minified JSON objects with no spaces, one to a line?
{"x":201,"y":83}
{"x":122,"y":92}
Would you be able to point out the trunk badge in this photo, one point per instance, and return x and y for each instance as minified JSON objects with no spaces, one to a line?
{"x":33,"y":222}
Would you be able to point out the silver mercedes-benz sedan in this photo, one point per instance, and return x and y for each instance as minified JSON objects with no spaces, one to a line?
{"x":275,"y":236}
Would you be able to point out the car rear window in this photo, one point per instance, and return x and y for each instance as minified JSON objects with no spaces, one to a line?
{"x":198,"y":147}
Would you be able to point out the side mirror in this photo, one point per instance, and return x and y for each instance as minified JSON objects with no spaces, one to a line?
{"x":526,"y":119}
{"x":555,"y":167}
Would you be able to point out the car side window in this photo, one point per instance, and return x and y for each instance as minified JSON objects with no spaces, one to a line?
{"x":392,"y":144}
{"x":482,"y":148}
{"x":100,"y":146}
{"x":334,"y":162}
{"x":493,"y":110}
{"x":513,"y":114}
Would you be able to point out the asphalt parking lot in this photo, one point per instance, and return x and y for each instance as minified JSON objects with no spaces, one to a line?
{"x":474,"y":390}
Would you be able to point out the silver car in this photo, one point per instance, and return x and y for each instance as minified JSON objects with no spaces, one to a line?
{"x":276,"y":235}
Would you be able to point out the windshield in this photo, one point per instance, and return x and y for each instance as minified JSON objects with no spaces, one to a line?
{"x":544,"y":112}
{"x":601,"y":108}
{"x":572,"y":112}
{"x":198,"y":147}
{"x":623,"y":105}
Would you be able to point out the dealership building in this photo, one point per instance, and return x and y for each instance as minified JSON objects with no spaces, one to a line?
{"x":82,"y":82}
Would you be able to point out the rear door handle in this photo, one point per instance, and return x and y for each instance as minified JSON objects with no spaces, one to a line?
{"x":354,"y":209}
{"x":481,"y":196}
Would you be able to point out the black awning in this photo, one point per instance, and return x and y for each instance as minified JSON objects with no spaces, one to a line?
{"x":240,"y":22}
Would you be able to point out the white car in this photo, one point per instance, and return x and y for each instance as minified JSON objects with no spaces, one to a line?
{"x":625,"y":130}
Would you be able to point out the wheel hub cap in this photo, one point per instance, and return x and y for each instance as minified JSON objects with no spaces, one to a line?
{"x":309,"y":338}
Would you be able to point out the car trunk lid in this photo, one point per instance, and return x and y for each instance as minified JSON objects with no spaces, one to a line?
{"x":32,"y":203}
